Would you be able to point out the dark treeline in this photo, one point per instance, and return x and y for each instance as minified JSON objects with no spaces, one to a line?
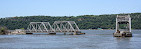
{"x":84,"y":21}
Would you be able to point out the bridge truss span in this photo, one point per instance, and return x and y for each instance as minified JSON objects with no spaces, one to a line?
{"x":37,"y":27}
{"x":56,"y":27}
{"x":65,"y":26}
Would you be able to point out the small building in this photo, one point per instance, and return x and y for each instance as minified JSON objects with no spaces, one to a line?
{"x":99,"y":28}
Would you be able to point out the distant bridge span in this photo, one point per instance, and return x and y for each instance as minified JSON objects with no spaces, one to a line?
{"x":57,"y":27}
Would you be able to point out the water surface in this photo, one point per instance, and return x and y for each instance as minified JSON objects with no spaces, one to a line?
{"x":93,"y":39}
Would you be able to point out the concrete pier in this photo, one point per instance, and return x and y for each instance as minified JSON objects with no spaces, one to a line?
{"x":126,"y":32}
{"x":52,"y":33}
{"x":29,"y":33}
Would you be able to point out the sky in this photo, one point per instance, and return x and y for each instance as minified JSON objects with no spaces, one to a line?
{"x":12,"y":8}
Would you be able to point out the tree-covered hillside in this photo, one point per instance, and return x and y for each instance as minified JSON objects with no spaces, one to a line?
{"x":84,"y":21}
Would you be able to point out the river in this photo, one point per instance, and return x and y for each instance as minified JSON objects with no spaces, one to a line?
{"x":93,"y":39}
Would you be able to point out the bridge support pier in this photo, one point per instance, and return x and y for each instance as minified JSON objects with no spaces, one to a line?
{"x":29,"y":33}
{"x":52,"y":33}
{"x":126,"y":21}
{"x":74,"y":33}
{"x":64,"y":33}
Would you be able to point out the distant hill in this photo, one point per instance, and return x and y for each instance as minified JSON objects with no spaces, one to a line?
{"x":83,"y":21}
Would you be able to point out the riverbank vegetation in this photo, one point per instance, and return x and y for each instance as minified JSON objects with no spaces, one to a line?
{"x":3,"y":30}
{"x":106,"y":21}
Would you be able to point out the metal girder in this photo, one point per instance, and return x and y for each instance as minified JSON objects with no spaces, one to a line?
{"x":40,"y":27}
{"x":58,"y":26}
{"x":65,"y":26}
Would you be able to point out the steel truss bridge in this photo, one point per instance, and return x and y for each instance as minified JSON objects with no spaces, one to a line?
{"x":56,"y":27}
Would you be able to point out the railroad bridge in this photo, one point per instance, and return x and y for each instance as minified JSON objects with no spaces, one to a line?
{"x":56,"y":27}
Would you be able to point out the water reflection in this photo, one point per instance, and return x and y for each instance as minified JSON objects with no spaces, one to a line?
{"x":123,"y":42}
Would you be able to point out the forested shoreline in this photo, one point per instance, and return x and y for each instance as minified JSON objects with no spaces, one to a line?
{"x":106,"y":21}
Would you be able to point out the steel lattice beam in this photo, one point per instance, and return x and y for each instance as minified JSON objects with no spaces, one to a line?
{"x":58,"y":26}
{"x":40,"y":27}
{"x":65,"y":26}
